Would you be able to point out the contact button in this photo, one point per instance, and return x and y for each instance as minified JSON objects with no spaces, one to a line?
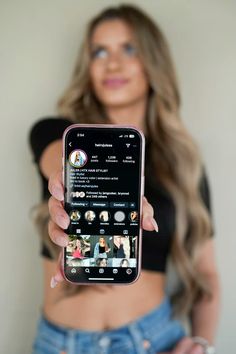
{"x":119,"y":205}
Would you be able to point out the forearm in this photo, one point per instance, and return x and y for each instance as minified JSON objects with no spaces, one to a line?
{"x":205,"y":312}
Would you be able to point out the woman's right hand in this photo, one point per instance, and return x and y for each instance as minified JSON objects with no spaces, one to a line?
{"x":60,"y":220}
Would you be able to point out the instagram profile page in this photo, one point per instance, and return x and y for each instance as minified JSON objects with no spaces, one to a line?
{"x":102,"y":198}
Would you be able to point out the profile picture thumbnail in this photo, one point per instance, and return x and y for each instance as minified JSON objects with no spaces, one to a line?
{"x":78,"y":158}
{"x":90,"y":215}
{"x":75,"y":215}
{"x":133,"y":216}
{"x":104,"y":216}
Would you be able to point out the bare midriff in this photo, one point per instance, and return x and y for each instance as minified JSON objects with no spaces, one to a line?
{"x":101,"y":307}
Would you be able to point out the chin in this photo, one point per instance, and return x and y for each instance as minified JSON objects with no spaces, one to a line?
{"x":115,"y":101}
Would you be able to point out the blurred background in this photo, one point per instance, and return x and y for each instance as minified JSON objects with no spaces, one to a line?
{"x":39,"y":43}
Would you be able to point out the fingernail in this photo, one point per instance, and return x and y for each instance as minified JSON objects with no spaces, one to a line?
{"x":62,"y":221}
{"x":154,"y":223}
{"x":57,"y":192}
{"x":53,"y":282}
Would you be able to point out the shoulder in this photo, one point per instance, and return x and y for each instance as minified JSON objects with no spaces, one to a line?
{"x":51,"y":124}
{"x":44,"y":131}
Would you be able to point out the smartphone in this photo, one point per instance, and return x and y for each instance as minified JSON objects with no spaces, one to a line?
{"x":103,"y":176}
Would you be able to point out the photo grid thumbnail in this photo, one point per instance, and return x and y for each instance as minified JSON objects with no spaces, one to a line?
{"x":101,"y":251}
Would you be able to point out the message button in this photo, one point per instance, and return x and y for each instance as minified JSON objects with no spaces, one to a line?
{"x":99,"y":204}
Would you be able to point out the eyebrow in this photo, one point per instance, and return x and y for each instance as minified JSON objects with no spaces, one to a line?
{"x":103,"y":45}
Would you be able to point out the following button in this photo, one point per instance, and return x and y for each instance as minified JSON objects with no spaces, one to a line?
{"x":80,"y":204}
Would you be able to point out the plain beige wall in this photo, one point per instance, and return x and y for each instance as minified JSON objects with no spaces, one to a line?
{"x":39,"y":41}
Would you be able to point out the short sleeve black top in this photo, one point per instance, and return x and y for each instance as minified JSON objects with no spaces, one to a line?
{"x":155,"y":246}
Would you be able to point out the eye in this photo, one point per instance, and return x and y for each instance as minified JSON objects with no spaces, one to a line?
{"x":99,"y":52}
{"x":130,"y":49}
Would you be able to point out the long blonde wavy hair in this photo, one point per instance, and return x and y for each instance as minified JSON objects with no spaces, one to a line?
{"x":172,"y":149}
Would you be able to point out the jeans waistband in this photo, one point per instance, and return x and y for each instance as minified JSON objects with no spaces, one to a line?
{"x":156,"y":328}
{"x":152,"y":319}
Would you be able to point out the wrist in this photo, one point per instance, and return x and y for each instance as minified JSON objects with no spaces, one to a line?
{"x":207,"y":347}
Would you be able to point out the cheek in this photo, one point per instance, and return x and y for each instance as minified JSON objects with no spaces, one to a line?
{"x":95,"y":73}
{"x":140,"y":77}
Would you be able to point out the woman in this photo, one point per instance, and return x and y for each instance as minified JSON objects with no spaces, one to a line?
{"x":75,"y":262}
{"x":118,"y":249}
{"x":78,"y":161}
{"x":104,"y":216}
{"x":77,"y":253}
{"x":122,"y":247}
{"x":101,"y":249}
{"x":124,"y":263}
{"x":125,"y":75}
{"x":90,"y":215}
{"x":133,"y":216}
{"x":101,"y":262}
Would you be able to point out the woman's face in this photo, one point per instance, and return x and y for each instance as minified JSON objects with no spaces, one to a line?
{"x":117,"y":239}
{"x":124,"y":264}
{"x":116,"y":71}
{"x":102,"y":242}
{"x":103,"y":262}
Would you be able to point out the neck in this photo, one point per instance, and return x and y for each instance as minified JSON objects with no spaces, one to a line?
{"x":128,"y":115}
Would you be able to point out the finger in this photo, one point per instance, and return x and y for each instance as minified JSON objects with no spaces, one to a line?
{"x":196,"y":349}
{"x":58,"y":277}
{"x":57,"y":235}
{"x":58,"y":213}
{"x":183,"y":346}
{"x":147,"y":207}
{"x":55,"y":186}
{"x":148,"y":222}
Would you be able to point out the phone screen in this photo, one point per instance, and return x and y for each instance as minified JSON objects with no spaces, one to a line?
{"x":103,"y":169}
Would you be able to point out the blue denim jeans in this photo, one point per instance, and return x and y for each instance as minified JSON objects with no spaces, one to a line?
{"x":154,"y":332}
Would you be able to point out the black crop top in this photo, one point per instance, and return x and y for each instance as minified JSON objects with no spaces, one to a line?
{"x":155,"y":246}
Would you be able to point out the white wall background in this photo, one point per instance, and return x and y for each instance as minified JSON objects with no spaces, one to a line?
{"x":39,"y":42}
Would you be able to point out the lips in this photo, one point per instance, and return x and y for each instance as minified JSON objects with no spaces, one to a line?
{"x":115,"y":82}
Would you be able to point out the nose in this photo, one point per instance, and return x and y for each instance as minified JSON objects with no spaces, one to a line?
{"x":114,"y":62}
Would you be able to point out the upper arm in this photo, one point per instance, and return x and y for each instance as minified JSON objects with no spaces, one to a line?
{"x":205,"y":193}
{"x":206,"y":260}
{"x":206,"y":263}
{"x":45,"y":141}
{"x":50,"y":160}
